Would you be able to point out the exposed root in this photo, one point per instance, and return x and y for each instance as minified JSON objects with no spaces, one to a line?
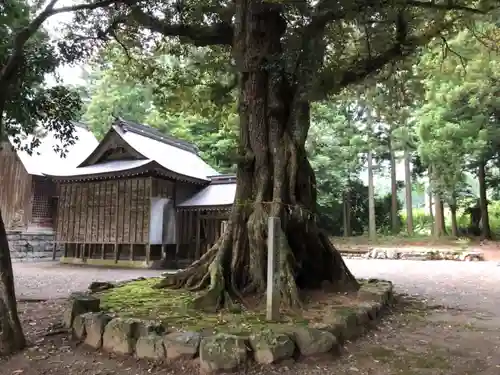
{"x":191,"y":278}
{"x":344,"y":279}
{"x":213,"y":299}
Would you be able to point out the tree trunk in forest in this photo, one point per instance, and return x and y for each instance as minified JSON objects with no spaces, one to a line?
{"x":439,"y":225}
{"x":394,"y":193}
{"x":274,"y":178}
{"x":408,"y":194}
{"x":347,"y":212}
{"x":483,"y":202}
{"x":11,"y":333}
{"x":429,"y":195}
{"x":372,"y":225}
{"x":454,"y":224}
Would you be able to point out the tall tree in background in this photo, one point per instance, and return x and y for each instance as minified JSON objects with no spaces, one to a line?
{"x":459,"y":121}
{"x":394,"y":97}
{"x":279,"y":50}
{"x":26,"y":56}
{"x":335,"y":149}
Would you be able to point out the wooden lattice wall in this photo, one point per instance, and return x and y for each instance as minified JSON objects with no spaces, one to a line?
{"x":198,"y":230}
{"x":105,"y":212}
{"x":43,"y":209}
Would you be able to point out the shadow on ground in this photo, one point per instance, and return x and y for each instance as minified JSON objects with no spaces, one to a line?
{"x":415,"y":339}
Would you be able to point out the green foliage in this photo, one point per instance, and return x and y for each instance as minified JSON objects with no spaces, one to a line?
{"x":331,"y":216}
{"x":179,"y":94}
{"x":494,"y":216}
{"x":26,"y":103}
{"x":422,"y":221}
{"x":458,"y":124}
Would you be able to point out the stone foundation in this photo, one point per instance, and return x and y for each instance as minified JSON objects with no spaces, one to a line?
{"x":32,"y":247}
{"x":221,"y":352}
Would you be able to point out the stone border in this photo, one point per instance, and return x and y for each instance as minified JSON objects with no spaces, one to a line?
{"x":393,"y":253}
{"x":223,"y":352}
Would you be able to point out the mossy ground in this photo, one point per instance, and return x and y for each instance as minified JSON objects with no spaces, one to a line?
{"x":139,"y":299}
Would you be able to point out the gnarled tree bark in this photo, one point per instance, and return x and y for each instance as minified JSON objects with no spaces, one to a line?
{"x":274,"y":179}
{"x":11,"y":333}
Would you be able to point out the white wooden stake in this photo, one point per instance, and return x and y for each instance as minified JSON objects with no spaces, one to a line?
{"x":273,"y":269}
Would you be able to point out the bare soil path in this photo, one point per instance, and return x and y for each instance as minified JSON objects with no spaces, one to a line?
{"x":456,"y":333}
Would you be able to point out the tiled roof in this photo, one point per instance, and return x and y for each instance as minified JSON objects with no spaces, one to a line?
{"x":101,"y":168}
{"x":44,"y":159}
{"x":174,"y":155}
{"x":220,"y":192}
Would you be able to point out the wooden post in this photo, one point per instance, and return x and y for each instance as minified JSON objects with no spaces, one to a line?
{"x":178,"y":224}
{"x":198,"y":233}
{"x":54,"y":249}
{"x":273,"y":271}
{"x":148,"y":253}
{"x":115,"y":197}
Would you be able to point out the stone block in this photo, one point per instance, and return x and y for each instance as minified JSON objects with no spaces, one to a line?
{"x":120,"y":336}
{"x":150,"y":347}
{"x":182,"y":344}
{"x":94,"y":327}
{"x":271,"y":347}
{"x":78,"y":304}
{"x":222,"y":353}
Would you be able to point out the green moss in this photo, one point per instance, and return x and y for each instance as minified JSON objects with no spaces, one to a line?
{"x":174,"y":308}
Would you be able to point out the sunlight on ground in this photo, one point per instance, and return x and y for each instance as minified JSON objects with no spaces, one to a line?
{"x":172,"y":307}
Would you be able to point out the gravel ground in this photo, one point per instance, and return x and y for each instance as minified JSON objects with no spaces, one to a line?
{"x":50,"y":280}
{"x":458,"y":337}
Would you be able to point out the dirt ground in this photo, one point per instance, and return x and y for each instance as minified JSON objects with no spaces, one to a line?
{"x":448,"y":325}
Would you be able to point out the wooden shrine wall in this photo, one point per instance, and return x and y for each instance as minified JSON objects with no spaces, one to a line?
{"x":15,"y":190}
{"x":105,"y":212}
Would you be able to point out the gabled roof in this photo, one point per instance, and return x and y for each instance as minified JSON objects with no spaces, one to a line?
{"x":173,"y":154}
{"x":146,"y":145}
{"x":44,"y":159}
{"x":220,"y":192}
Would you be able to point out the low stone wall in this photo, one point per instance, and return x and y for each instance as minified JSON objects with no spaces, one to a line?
{"x":222,"y":352}
{"x":32,"y":247}
{"x":415,"y":254}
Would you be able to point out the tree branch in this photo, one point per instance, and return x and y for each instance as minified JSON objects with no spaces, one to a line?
{"x":326,"y":14}
{"x":448,"y":5}
{"x":331,"y":82}
{"x":88,"y":6}
{"x":27,"y":32}
{"x":220,"y":33}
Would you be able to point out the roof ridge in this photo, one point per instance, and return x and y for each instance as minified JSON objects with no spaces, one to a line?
{"x":222,"y":179}
{"x":152,"y":133}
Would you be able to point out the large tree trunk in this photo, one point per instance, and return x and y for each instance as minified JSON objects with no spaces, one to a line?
{"x":274,"y":178}
{"x":11,"y":333}
{"x":394,"y":193}
{"x":408,"y":193}
{"x":483,"y":202}
{"x":372,"y":224}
